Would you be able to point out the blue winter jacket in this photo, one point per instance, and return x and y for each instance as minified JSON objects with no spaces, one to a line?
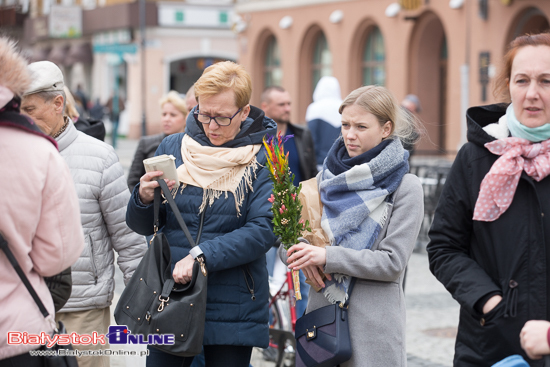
{"x":234,"y":247}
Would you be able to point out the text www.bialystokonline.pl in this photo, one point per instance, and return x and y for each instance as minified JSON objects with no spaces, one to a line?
{"x":88,"y":353}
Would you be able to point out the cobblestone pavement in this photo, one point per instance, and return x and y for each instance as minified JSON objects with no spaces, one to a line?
{"x":432,"y":314}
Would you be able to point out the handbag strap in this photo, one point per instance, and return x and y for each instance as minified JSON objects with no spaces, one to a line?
{"x":175,"y":210}
{"x":350,"y":289}
{"x":4,"y":246}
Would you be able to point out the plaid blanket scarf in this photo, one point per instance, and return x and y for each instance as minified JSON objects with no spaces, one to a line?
{"x":356,"y":194}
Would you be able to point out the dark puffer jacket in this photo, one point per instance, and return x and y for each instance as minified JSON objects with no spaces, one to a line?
{"x":475,"y":260}
{"x":234,"y":247}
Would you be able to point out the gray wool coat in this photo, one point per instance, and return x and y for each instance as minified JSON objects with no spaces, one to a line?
{"x":377,"y":303}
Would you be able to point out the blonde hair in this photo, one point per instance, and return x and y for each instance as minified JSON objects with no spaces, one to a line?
{"x":223,"y":76}
{"x":380,"y":102}
{"x":70,"y":105}
{"x":14,"y":74}
{"x":175,"y":99}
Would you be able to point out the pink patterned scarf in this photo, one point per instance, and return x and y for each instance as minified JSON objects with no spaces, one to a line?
{"x":499,"y":185}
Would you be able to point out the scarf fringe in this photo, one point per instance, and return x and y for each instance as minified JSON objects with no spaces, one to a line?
{"x":245,"y":184}
{"x":335,"y":294}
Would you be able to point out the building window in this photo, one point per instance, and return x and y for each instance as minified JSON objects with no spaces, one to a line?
{"x":374,"y":71}
{"x":322,"y":60}
{"x":273,"y":74}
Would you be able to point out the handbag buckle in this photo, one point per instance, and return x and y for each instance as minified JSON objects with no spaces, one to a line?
{"x":162,"y":302}
{"x":311,"y":334}
{"x":155,"y":228}
{"x":200,"y":259}
{"x":148,"y":317}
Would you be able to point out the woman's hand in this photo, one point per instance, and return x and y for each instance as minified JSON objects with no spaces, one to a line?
{"x":310,"y":259}
{"x":491,"y":303}
{"x":534,"y":338}
{"x":314,"y":274}
{"x":302,"y":255}
{"x":147,"y":186}
{"x":183,"y":271}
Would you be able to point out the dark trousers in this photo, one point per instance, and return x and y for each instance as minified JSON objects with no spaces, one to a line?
{"x":23,"y":360}
{"x":214,"y":356}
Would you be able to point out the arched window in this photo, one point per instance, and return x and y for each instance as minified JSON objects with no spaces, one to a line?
{"x":273,"y":74}
{"x":322,"y":60}
{"x":374,"y":71}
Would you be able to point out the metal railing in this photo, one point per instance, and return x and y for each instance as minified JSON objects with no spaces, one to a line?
{"x":432,"y":174}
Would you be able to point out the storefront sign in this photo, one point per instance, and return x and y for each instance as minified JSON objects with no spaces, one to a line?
{"x":65,"y":21}
{"x":410,"y":4}
{"x":172,"y":15}
{"x":484,"y":64}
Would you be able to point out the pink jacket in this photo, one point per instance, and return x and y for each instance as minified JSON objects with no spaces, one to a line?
{"x":40,"y":219}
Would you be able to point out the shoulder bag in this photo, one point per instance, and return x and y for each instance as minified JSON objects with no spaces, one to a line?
{"x":152,"y":303}
{"x":322,"y":336}
{"x":52,"y":358}
{"x":60,"y":286}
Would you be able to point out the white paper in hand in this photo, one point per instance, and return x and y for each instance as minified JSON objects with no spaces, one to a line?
{"x":165,"y":163}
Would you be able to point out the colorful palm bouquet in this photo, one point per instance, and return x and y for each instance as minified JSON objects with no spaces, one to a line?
{"x":287,"y":209}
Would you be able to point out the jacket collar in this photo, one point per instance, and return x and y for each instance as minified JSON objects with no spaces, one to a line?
{"x":67,"y":137}
{"x":253,"y":131}
{"x":479,"y":117}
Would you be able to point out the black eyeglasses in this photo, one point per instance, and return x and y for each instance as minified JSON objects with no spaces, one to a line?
{"x":220,"y":120}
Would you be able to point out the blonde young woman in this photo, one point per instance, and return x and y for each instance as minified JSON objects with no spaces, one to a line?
{"x":372,"y":211}
{"x":174,"y":113}
{"x":220,"y":167}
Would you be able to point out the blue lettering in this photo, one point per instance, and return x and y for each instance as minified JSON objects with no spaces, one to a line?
{"x":133,"y":339}
{"x":168,"y":339}
{"x":157,"y":339}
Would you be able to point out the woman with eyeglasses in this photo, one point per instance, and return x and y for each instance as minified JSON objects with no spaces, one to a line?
{"x":220,"y":168}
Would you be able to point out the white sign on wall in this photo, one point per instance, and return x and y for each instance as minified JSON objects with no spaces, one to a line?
{"x":65,"y":21}
{"x":171,"y":15}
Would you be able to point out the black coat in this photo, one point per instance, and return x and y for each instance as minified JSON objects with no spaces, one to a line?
{"x":475,"y":260}
{"x":306,"y":151}
{"x":146,"y":149}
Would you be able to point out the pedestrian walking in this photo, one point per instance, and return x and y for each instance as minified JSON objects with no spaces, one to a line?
{"x":322,"y":116}
{"x":173,"y":112}
{"x":220,"y":164}
{"x":489,"y":239}
{"x":40,"y":214}
{"x":372,"y":211}
{"x":103,"y":197}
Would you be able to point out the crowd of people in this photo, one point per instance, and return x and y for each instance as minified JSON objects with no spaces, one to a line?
{"x":70,"y":209}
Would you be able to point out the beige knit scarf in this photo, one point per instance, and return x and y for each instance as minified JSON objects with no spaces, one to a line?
{"x":218,"y":170}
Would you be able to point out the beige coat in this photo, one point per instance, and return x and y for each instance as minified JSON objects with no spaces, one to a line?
{"x":40,"y":219}
{"x":377,"y":303}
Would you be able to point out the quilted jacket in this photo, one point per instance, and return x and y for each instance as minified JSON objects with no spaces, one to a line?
{"x":103,"y":196}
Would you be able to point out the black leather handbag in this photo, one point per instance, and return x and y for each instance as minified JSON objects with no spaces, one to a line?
{"x":60,"y":286}
{"x":54,"y":358}
{"x":152,"y":303}
{"x":322,"y":336}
